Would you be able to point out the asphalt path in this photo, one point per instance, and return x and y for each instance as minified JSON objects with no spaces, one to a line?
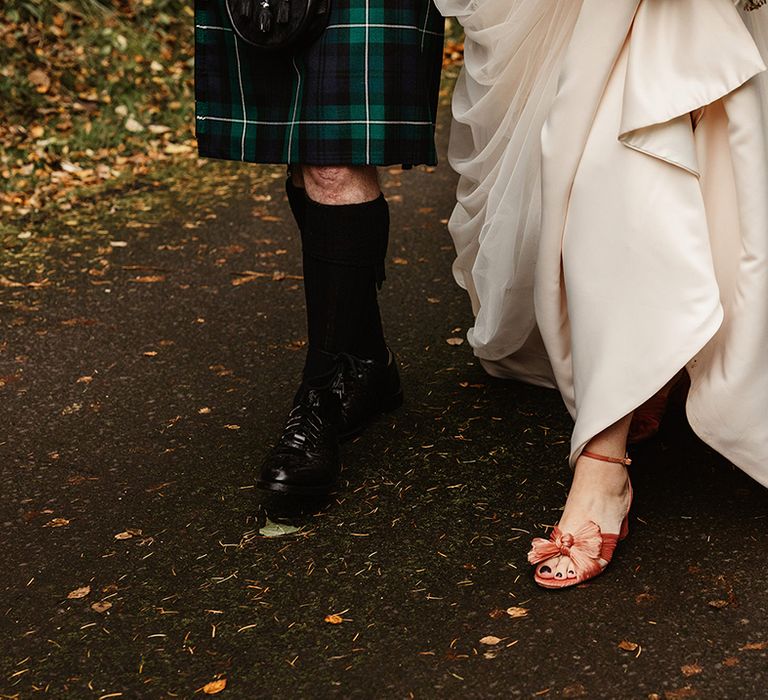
{"x":138,"y":560}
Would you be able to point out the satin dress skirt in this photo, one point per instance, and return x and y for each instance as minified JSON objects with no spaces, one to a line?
{"x":612,"y":217}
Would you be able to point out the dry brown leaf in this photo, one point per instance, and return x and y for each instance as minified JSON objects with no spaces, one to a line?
{"x":515,"y":611}
{"x":454,"y":341}
{"x":149,"y":279}
{"x":57,"y":522}
{"x":628,"y":646}
{"x":496,"y":614}
{"x":215,"y":686}
{"x":85,"y":380}
{"x":399,"y":261}
{"x":754,"y":646}
{"x":333,"y":619}
{"x":174,"y":149}
{"x":718,"y":604}
{"x":204,"y":411}
{"x":40,"y":80}
{"x":150,"y":353}
{"x":691,"y":669}
{"x":730,"y":661}
{"x":78,"y":593}
{"x":680,"y":693}
{"x":490,"y":640}
{"x":127,"y":534}
{"x":101,"y":606}
{"x":232,"y":426}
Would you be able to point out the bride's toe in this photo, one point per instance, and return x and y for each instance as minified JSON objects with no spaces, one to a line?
{"x":547,"y":568}
{"x":561,"y":572}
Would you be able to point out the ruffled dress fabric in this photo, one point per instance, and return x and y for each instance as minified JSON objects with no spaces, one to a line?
{"x":612,"y":216}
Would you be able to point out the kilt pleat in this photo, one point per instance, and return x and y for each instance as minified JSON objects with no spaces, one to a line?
{"x":365,"y":93}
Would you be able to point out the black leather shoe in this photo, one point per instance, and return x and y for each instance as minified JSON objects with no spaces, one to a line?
{"x":305,"y":461}
{"x":367,"y":389}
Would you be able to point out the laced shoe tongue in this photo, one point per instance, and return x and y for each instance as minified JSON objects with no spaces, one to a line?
{"x":304,"y":425}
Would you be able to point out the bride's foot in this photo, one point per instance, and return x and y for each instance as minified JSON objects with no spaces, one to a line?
{"x":600,"y":497}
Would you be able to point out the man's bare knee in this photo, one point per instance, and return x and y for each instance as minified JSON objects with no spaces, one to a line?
{"x":341,"y":184}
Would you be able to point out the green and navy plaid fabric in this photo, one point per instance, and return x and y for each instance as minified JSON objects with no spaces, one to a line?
{"x":365,"y":93}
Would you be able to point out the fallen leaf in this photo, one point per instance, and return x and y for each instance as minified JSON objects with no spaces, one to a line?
{"x":40,"y":80}
{"x":399,"y":261}
{"x":101,"y":606}
{"x":272,"y":529}
{"x":496,"y":614}
{"x":150,"y":353}
{"x":127,"y":534}
{"x":454,"y":341}
{"x":215,"y":686}
{"x":79,"y":593}
{"x":85,"y":379}
{"x":57,"y":522}
{"x":333,"y":619}
{"x":754,"y":646}
{"x":232,"y":426}
{"x":718,"y":604}
{"x":691,"y":669}
{"x":515,"y":611}
{"x":730,"y":661}
{"x":204,"y":411}
{"x":490,"y":640}
{"x":133,"y":125}
{"x":149,"y":279}
{"x":174,"y":149}
{"x":628,"y":646}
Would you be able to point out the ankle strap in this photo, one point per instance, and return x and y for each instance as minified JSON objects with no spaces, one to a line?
{"x":626,"y":461}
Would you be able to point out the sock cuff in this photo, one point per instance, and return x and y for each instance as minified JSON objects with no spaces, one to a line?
{"x":356,"y":235}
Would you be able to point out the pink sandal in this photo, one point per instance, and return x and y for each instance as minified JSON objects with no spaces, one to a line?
{"x":585,"y":547}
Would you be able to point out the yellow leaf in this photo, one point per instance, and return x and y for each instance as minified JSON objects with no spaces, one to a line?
{"x":334,"y":619}
{"x":79,"y":593}
{"x":57,"y":522}
{"x":215,"y":686}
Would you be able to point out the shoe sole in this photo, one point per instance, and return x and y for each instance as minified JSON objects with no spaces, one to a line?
{"x":390,"y":405}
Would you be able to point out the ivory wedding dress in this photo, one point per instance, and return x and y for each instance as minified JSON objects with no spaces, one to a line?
{"x":612,"y":216}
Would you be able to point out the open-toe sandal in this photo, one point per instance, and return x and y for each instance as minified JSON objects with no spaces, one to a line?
{"x":586,"y":547}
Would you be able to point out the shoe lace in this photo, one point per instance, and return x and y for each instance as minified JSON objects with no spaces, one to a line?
{"x":304,"y":426}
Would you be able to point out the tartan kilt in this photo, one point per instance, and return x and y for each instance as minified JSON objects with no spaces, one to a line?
{"x":365,"y":93}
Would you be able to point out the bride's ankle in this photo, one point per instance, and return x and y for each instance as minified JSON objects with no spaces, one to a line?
{"x":608,"y":479}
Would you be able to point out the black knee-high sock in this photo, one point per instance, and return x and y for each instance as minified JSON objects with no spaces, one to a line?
{"x":345,"y":248}
{"x":297,"y":201}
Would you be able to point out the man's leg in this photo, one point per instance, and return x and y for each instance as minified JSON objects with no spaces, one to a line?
{"x":344,"y":224}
